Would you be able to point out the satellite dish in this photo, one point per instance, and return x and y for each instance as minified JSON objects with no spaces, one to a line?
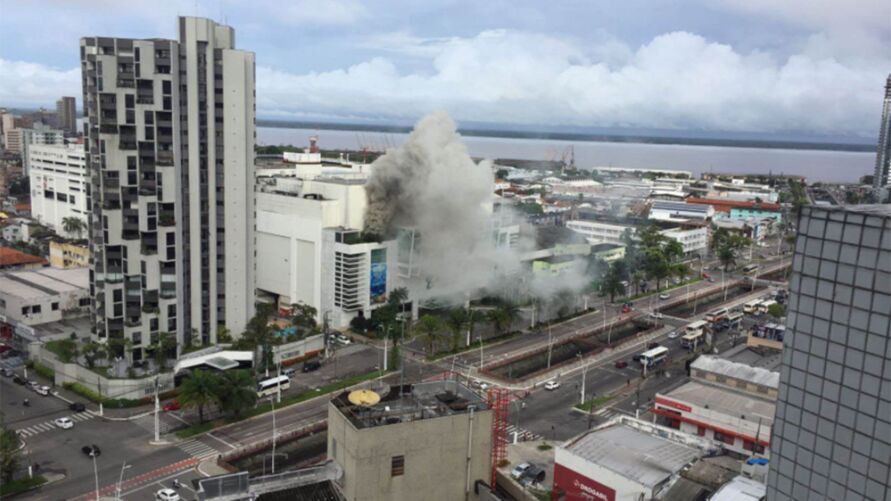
{"x":364,"y":398}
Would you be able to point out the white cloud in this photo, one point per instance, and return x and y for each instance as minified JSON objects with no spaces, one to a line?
{"x":318,"y":12}
{"x":677,"y":80}
{"x":33,"y":85}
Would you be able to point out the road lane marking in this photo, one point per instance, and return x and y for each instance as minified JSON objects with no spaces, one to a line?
{"x":211,"y":435}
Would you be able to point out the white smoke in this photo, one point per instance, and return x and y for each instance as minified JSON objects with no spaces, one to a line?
{"x":431,"y":185}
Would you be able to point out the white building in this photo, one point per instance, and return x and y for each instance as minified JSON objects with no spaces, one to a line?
{"x":693,"y":240}
{"x":40,"y":134}
{"x":669,"y":211}
{"x":58,"y":185}
{"x":170,"y":128}
{"x":309,"y":248}
{"x":44,"y":295}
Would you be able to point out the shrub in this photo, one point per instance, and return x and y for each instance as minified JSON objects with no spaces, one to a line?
{"x":21,"y":485}
{"x":44,"y":371}
{"x":83,"y":391}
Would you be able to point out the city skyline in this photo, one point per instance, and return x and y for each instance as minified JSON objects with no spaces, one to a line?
{"x":693,"y":68}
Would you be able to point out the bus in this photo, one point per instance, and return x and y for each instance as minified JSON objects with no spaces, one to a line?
{"x":716,"y":316}
{"x":750,"y":268}
{"x":751,"y":307}
{"x":271,"y":386}
{"x":734,"y":319}
{"x":694,"y":334}
{"x":765,"y":306}
{"x":652,"y":357}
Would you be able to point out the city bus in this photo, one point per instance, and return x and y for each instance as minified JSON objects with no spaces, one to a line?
{"x":271,"y":386}
{"x":751,"y":307}
{"x":716,"y":316}
{"x":734,"y":319}
{"x":652,"y":357}
{"x":765,"y":306}
{"x":694,"y":334}
{"x":750,"y":268}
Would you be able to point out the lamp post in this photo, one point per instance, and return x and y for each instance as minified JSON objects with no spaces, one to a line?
{"x":95,"y":471}
{"x":273,"y":434}
{"x":124,"y":466}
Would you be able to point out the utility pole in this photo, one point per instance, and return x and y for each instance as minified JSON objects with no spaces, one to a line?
{"x":584,"y":375}
{"x":384,"y":368}
{"x":124,"y":466}
{"x":95,"y":472}
{"x":273,"y":435}
{"x":157,"y":417}
{"x":278,"y":386}
{"x":99,"y":386}
{"x":550,"y":345}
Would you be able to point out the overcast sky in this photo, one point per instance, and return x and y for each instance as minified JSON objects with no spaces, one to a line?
{"x":801,"y":66}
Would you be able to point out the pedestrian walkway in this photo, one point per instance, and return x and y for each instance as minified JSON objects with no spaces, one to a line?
{"x":197,"y":449}
{"x":523,"y":435}
{"x":35,"y":429}
{"x":148,"y":423}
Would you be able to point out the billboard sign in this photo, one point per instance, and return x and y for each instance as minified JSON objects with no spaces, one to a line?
{"x":573,"y":485}
{"x":377,"y":286}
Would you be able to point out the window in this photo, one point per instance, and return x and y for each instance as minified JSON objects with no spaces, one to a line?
{"x":84,"y":301}
{"x":35,"y":308}
{"x":720,"y":437}
{"x":55,"y":306}
{"x":700,"y":431}
{"x":397,"y":466}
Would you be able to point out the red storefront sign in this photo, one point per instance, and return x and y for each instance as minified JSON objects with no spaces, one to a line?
{"x":572,"y":486}
{"x":673,"y":404}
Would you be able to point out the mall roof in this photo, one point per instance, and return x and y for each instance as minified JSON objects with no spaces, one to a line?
{"x":737,"y":370}
{"x":725,"y":401}
{"x":639,"y":456}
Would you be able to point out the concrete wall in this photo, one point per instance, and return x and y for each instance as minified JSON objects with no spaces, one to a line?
{"x":298,"y":349}
{"x":64,"y":255}
{"x":435,"y":452}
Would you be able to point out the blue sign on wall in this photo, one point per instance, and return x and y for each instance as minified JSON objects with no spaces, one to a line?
{"x":378,"y":284}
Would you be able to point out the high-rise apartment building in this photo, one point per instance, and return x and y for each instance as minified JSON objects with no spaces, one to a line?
{"x":832,"y":429}
{"x":66,"y":114}
{"x":882,"y":176}
{"x":170,"y":137}
{"x":20,"y":140}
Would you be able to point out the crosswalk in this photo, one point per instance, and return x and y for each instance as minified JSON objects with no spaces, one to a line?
{"x":45,"y":426}
{"x":197,"y":449}
{"x":147,"y":423}
{"x":523,"y":435}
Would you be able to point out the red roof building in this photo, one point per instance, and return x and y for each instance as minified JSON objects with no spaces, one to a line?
{"x":727,"y":205}
{"x":11,"y":259}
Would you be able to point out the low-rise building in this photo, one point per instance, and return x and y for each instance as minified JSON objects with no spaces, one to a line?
{"x":670,"y":211}
{"x":35,"y":297}
{"x":12,"y":259}
{"x":59,"y":182}
{"x":608,"y":252}
{"x":428,"y":441}
{"x":625,"y":459}
{"x":68,"y":255}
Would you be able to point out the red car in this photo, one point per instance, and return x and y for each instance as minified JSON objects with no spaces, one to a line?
{"x":706,"y":275}
{"x":172,"y":405}
{"x":621,"y":364}
{"x":626,"y":309}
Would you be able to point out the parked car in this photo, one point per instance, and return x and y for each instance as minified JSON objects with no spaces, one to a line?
{"x":311,"y":365}
{"x":518,"y":470}
{"x":77,"y":407}
{"x":533,"y":475}
{"x":664,"y":296}
{"x":552,"y":385}
{"x":167,"y":495}
{"x":342,"y":339}
{"x":19,"y":380}
{"x":64,"y":422}
{"x":43,"y":390}
{"x":621,"y":364}
{"x":91,"y":450}
{"x":33,"y":385}
{"x":172,"y":405}
{"x":8,"y":373}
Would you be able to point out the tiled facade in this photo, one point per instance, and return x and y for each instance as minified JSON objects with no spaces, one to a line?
{"x":832,"y":431}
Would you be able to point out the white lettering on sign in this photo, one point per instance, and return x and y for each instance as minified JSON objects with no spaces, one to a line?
{"x":589,"y":492}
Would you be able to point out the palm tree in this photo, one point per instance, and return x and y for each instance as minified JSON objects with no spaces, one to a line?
{"x":237,"y":392}
{"x":612,"y":283}
{"x":456,"y":321}
{"x":508,"y":313}
{"x":429,"y":327}
{"x":73,"y":225}
{"x":199,"y":390}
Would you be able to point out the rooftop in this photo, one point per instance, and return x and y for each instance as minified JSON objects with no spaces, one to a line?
{"x":740,"y":204}
{"x":414,"y":402}
{"x":43,"y":282}
{"x":668,"y":205}
{"x":726,"y":401}
{"x":737,"y":370}
{"x":741,"y":489}
{"x":10,"y":257}
{"x":643,"y":457}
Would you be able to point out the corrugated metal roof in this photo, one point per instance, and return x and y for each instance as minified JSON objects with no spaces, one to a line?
{"x":736,"y":370}
{"x":731,"y":403}
{"x":668,"y":205}
{"x":641,"y":457}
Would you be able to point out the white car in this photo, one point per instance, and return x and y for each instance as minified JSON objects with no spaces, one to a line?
{"x":167,"y":495}
{"x":655,"y":314}
{"x":42,"y":390}
{"x":664,"y":296}
{"x":343,"y":339}
{"x":518,"y":470}
{"x":552,"y":385}
{"x":64,"y":423}
{"x":673,"y":335}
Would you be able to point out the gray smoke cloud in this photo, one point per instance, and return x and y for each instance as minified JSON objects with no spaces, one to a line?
{"x":430,"y":184}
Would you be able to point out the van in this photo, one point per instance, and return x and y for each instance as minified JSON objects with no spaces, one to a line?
{"x":290,"y":372}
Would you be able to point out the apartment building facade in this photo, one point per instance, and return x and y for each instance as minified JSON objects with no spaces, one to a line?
{"x":170,"y":133}
{"x":66,"y":114}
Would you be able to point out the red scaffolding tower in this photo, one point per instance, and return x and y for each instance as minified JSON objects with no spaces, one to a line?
{"x":499,"y":402}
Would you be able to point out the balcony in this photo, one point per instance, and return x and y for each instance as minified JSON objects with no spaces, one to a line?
{"x":166,"y":220}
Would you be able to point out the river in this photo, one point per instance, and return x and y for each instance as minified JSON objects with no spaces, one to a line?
{"x":816,"y":165}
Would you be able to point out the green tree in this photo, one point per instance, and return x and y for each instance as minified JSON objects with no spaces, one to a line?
{"x":501,"y":173}
{"x":429,"y":326}
{"x":303,"y":316}
{"x":163,"y":349}
{"x":114,"y":347}
{"x":612,"y":281}
{"x":776,"y":310}
{"x":10,"y":454}
{"x":456,"y":321}
{"x":259,"y":336}
{"x":91,"y":351}
{"x":224,"y":335}
{"x":73,"y":225}
{"x":199,"y":390}
{"x":66,"y":349}
{"x":236,"y":392}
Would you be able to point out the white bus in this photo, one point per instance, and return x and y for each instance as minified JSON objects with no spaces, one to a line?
{"x":716,"y":316}
{"x":271,"y":386}
{"x":734,"y":319}
{"x":750,"y":268}
{"x":697,"y":327}
{"x":751,"y":307}
{"x":765,"y":306}
{"x":655,"y":356}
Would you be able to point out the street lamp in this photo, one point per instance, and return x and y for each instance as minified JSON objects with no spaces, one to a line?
{"x":95,"y":470}
{"x":272,"y":401}
{"x":124,"y":466}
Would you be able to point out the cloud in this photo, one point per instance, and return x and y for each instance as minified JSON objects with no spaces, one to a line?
{"x":34,"y":85}
{"x":320,"y":12}
{"x":678,"y":80}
